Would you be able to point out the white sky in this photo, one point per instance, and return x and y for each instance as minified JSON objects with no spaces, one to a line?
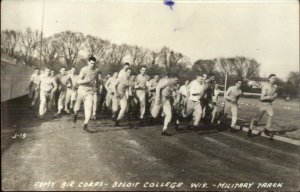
{"x":266,"y":31}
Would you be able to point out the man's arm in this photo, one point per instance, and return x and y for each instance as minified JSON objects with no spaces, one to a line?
{"x":136,"y":82}
{"x":106,"y":85}
{"x":82,"y":78}
{"x":151,"y":86}
{"x":275,"y":94}
{"x":227,"y":93}
{"x":30,"y":82}
{"x":238,"y":97}
{"x":160,"y":87}
{"x":264,"y":92}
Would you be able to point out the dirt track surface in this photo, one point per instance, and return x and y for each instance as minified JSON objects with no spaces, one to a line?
{"x":58,"y":151}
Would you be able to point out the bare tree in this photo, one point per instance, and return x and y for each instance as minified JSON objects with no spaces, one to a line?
{"x":205,"y":66}
{"x":172,"y":61}
{"x":225,"y":65}
{"x":153,"y":57}
{"x":116,"y":54}
{"x":51,"y":51}
{"x":29,"y":45}
{"x":246,"y":68}
{"x":138,"y":55}
{"x":164,"y":55}
{"x":9,"y":41}
{"x":97,"y":47}
{"x":71,"y":44}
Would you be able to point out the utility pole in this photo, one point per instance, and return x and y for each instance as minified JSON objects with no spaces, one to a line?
{"x":42,"y":28}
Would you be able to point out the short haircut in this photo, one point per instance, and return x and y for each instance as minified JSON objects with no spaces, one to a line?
{"x":92,"y":58}
{"x":272,"y":75}
{"x":239,"y":80}
{"x":128,"y":69}
{"x":126,"y":63}
{"x":36,"y":68}
{"x":143,"y":66}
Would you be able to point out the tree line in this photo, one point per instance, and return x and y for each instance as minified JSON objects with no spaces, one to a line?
{"x":72,"y":48}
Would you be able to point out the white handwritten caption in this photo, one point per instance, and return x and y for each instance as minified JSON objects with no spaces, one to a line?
{"x":20,"y":135}
{"x":172,"y":185}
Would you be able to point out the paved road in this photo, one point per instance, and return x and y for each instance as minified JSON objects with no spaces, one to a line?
{"x":58,"y":151}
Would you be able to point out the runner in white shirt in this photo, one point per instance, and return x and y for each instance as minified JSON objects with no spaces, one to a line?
{"x":109,"y":88}
{"x":162,"y":100}
{"x":215,"y":99}
{"x":152,"y":89}
{"x":122,"y":73}
{"x":33,"y":86}
{"x":62,"y":79}
{"x":71,"y":90}
{"x":87,"y":81}
{"x":140,"y":87}
{"x":268,"y":94}
{"x":54,"y":99}
{"x":47,"y":87}
{"x":121,"y":89}
{"x":183,"y":91}
{"x":232,"y":96}
{"x":195,"y":92}
{"x":132,"y":100}
{"x":97,"y":95}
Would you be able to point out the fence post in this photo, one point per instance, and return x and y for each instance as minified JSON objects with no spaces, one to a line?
{"x":225,"y":83}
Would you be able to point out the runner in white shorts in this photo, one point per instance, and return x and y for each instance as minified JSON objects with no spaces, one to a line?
{"x":121,"y":90}
{"x":162,"y":100}
{"x":232,"y":96}
{"x":47,"y":88}
{"x":33,"y":86}
{"x":268,"y":94}
{"x":87,"y":81}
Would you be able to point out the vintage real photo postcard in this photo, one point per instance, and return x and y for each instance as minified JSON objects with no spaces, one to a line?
{"x":150,"y":95}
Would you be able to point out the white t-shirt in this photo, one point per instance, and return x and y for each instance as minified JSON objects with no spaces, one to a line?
{"x":216,"y":95}
{"x":35,"y":78}
{"x":183,"y":90}
{"x":196,"y":90}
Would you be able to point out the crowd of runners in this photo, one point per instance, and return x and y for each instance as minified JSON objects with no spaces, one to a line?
{"x":124,"y":94}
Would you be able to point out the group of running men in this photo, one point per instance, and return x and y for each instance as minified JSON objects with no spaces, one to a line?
{"x":124,"y":92}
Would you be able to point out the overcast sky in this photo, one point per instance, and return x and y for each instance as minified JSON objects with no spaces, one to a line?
{"x":267,"y":31}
